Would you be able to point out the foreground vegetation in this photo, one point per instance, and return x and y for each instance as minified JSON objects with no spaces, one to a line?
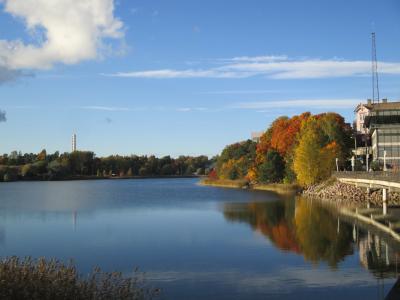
{"x":302,"y":149}
{"x":41,"y":279}
{"x":79,"y":164}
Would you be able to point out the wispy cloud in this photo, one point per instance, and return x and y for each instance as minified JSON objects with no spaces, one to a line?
{"x":187,"y":109}
{"x":257,"y":106}
{"x":189,"y":73}
{"x":135,"y":109}
{"x":273,"y":67}
{"x":241,"y":92}
{"x":264,"y":106}
{"x":106,"y":108}
{"x":264,"y":58}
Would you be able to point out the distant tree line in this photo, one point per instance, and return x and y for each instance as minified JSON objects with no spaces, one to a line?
{"x":301,"y":149}
{"x":44,"y":166}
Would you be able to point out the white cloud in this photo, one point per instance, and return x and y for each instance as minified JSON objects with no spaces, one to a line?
{"x":70,"y":32}
{"x":274,"y":67}
{"x":263,"y":106}
{"x":167,"y":73}
{"x":265,"y":58}
{"x":184,"y":109}
{"x":240,"y":92}
{"x":188,"y":109}
{"x":106,"y":108}
{"x":312,"y":68}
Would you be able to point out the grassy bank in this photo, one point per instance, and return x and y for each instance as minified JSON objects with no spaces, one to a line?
{"x":226,"y":183}
{"x":280,"y":188}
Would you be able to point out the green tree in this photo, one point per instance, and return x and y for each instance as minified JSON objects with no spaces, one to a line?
{"x":272,"y":169}
{"x":166,"y":169}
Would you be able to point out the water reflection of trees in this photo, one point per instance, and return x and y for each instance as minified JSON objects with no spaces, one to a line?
{"x":317,"y":233}
{"x":297,"y":226}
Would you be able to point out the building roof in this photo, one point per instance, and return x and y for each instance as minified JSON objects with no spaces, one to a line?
{"x":379,"y":106}
{"x":376,"y":118}
{"x":385,"y":106}
{"x":358,"y":107}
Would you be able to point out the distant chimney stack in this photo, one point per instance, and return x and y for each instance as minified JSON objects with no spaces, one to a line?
{"x":384,"y":100}
{"x":369,"y":101}
{"x":74,"y":142}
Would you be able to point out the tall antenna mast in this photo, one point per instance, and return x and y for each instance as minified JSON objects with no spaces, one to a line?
{"x":375,"y":80}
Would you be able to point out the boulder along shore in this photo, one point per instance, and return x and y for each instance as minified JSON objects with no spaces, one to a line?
{"x":347,"y":194}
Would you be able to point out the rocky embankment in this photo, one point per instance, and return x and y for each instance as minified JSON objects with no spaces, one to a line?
{"x":341,"y":193}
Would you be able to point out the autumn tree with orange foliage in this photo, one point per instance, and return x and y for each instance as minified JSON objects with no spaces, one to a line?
{"x":307,"y":145}
{"x":281,"y":136}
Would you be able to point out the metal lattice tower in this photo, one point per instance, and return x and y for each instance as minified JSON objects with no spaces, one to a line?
{"x":375,"y":80}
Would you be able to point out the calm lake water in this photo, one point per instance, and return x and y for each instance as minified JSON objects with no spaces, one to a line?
{"x":198,"y":242}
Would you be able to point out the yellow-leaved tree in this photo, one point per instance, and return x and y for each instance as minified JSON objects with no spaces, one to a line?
{"x":314,"y":161}
{"x":307,"y":155}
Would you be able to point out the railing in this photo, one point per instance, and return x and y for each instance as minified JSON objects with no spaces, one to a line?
{"x":376,"y":175}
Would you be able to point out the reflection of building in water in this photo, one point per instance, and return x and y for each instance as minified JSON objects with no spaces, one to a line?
{"x":377,"y":256}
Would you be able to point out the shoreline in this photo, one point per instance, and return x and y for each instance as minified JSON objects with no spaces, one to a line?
{"x":359,"y":204}
{"x":94,"y":177}
{"x":279,"y":188}
{"x":332,"y":190}
{"x":347,"y":200}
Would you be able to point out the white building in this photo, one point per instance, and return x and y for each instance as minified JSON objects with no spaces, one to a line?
{"x":255,"y":136}
{"x":361,"y":111}
{"x":378,"y":131}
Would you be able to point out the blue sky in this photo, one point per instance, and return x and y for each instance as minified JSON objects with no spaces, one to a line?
{"x":183,"y":77}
